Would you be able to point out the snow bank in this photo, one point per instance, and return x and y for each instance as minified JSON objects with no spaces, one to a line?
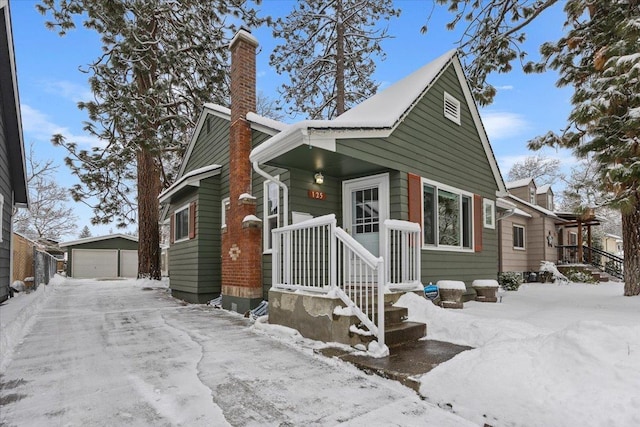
{"x":585,"y":374}
{"x":460,"y":328}
{"x":17,"y":316}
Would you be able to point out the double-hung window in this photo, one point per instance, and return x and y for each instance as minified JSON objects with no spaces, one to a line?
{"x":518,"y":237}
{"x":181,"y":226}
{"x":271,"y":212}
{"x":447,"y":217}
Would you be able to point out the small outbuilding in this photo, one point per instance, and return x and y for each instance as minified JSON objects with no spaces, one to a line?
{"x":115,"y":255}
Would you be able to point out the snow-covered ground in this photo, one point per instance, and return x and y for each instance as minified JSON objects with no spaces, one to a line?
{"x":110,"y":353}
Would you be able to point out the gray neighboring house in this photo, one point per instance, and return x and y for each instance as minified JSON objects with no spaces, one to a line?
{"x":13,"y":182}
{"x":114,"y":255}
{"x":416,"y":152}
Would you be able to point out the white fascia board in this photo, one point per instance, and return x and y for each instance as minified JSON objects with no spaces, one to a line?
{"x":216,"y":110}
{"x":97,"y":239}
{"x":265,"y":124}
{"x":192,"y":179}
{"x":475,"y":114}
{"x":505,"y":204}
{"x":285,"y":141}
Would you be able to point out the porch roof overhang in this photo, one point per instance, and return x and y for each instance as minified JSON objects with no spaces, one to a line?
{"x":571,"y":219}
{"x":191,"y":179}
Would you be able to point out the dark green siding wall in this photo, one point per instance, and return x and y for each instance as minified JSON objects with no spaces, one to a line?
{"x":430,"y":145}
{"x":115,"y":243}
{"x":183,"y":256}
{"x":5,"y":190}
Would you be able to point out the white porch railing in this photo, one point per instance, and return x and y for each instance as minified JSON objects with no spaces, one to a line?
{"x":316,"y":255}
{"x":402,"y":254}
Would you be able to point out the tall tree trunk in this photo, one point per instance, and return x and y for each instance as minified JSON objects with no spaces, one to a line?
{"x":631,"y":246}
{"x":340,"y":104}
{"x":148,"y":215}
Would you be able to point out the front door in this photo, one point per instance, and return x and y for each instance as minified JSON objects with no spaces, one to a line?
{"x":365,"y":204}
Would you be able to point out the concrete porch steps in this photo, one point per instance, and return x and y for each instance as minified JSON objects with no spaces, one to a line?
{"x":398,"y":330}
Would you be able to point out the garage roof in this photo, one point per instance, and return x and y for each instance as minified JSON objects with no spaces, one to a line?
{"x":97,"y":239}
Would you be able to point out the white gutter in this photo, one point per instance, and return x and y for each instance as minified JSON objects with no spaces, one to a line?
{"x":285,"y":192}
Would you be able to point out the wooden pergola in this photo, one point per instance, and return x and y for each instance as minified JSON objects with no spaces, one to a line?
{"x":586,"y":219}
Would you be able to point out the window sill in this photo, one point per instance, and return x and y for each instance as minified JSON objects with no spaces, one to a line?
{"x":447,"y":249}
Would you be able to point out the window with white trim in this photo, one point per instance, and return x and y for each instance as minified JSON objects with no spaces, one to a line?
{"x":223,"y":218}
{"x":573,"y":239}
{"x":518,"y":236}
{"x":1,"y":214}
{"x":451,"y":108}
{"x":271,"y":212}
{"x":181,"y":224}
{"x":447,"y":217}
{"x":550,"y":201}
{"x":489,"y":213}
{"x":532,"y":195}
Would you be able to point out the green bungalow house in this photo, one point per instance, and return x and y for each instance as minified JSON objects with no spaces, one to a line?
{"x":399,"y":191}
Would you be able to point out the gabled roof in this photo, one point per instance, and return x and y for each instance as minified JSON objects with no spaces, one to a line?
{"x":191,"y":178}
{"x":377,"y":116}
{"x":540,"y":209}
{"x":258,"y":122}
{"x":544,"y":189}
{"x":98,"y":239}
{"x":11,"y":108}
{"x":519,"y":183}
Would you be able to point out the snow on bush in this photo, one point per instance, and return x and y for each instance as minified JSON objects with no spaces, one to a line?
{"x":510,"y":280}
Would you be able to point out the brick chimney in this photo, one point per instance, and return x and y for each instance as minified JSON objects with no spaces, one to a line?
{"x":242,"y":239}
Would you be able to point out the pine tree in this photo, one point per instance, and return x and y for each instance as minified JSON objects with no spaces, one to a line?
{"x":327,"y":50}
{"x":161,"y":60}
{"x":84,"y":233}
{"x":598,"y":57}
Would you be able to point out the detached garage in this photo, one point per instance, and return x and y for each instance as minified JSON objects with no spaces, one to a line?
{"x":115,"y":255}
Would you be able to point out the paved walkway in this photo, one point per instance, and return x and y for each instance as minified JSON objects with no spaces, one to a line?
{"x":111,"y":353}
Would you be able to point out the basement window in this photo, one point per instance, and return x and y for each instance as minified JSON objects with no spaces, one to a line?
{"x":451,"y":108}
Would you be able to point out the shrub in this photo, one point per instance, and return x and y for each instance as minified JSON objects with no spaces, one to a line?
{"x":576,"y":276}
{"x":510,"y":280}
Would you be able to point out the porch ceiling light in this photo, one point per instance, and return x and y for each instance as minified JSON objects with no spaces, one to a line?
{"x":319,"y":178}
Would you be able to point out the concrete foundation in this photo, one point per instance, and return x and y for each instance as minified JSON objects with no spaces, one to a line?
{"x":312,"y":315}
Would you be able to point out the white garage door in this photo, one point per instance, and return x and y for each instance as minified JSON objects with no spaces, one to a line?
{"x":91,"y":263}
{"x":129,"y":263}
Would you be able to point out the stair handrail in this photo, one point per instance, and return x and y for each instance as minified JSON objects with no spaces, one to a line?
{"x":618,"y":261}
{"x":283,"y":276}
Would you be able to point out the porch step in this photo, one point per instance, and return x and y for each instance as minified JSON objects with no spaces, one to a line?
{"x":403,"y":333}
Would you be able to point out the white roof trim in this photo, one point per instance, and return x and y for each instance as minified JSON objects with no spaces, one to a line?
{"x":259,"y":123}
{"x":540,"y":209}
{"x":192,"y":178}
{"x":520,"y":212}
{"x":370,"y":120}
{"x":97,"y":239}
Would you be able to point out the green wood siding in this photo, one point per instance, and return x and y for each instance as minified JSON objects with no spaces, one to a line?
{"x":432,"y":146}
{"x":5,"y":215}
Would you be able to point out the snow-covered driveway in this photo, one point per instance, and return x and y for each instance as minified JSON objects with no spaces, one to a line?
{"x":113,"y":353}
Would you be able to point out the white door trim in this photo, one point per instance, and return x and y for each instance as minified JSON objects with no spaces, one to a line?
{"x":382,"y":182}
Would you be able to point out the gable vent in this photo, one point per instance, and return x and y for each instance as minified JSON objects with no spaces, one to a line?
{"x":451,"y":108}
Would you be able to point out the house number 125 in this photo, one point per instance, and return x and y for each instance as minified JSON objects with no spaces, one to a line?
{"x":317,"y":195}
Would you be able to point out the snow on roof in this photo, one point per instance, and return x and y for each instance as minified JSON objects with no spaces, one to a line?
{"x":380,"y":112}
{"x":266,"y":121}
{"x":544,"y":189}
{"x":385,"y":108}
{"x":190,"y":178}
{"x":518,"y":183}
{"x":532,"y":206}
{"x":98,"y":239}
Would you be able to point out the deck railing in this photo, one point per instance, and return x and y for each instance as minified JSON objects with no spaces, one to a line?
{"x":316,"y":255}
{"x":402,"y":254}
{"x":605,"y":261}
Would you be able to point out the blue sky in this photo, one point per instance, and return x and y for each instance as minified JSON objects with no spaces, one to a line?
{"x":51,"y":83}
